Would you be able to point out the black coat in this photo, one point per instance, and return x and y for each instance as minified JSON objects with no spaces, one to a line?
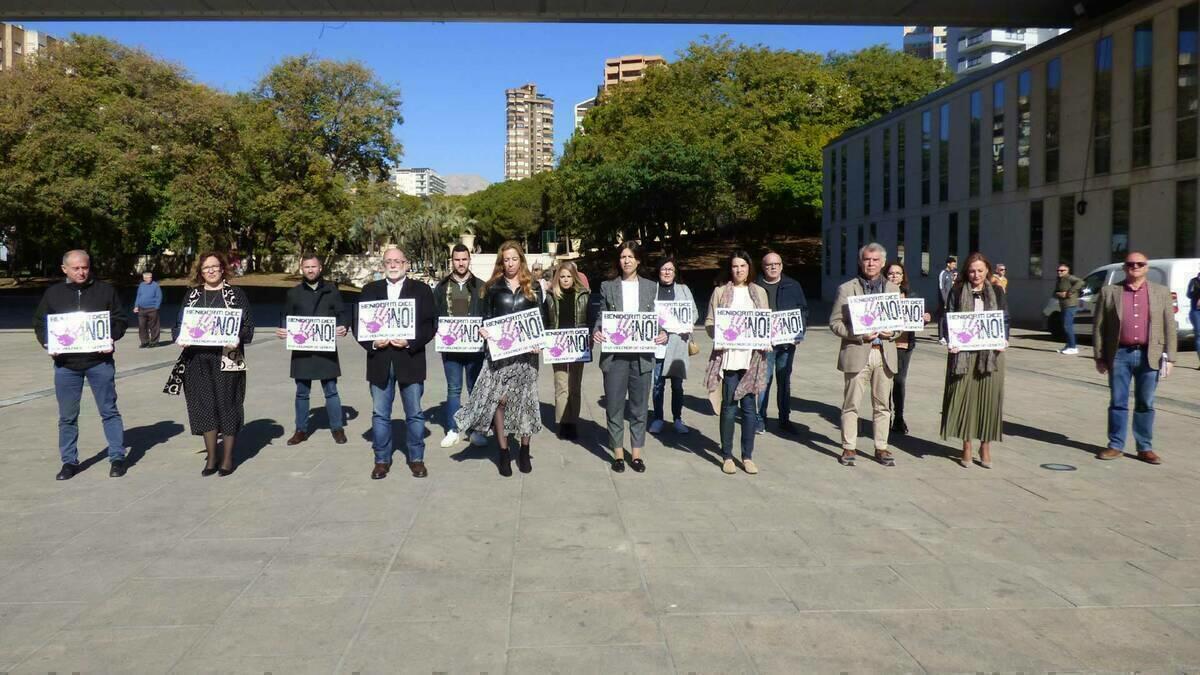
{"x":499,"y":300}
{"x":91,"y":296}
{"x":474,"y":286}
{"x":789,"y":295}
{"x":407,"y":364}
{"x":326,"y":300}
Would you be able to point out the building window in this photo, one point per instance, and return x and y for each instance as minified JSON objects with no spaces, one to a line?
{"x":1143,"y":59}
{"x":1120,"y":224}
{"x":844,"y":252}
{"x":874,"y":232}
{"x":1185,"y":219}
{"x":866,"y":176}
{"x":1024,"y":85}
{"x":828,"y":250}
{"x":973,"y":231}
{"x":1102,"y":105}
{"x":860,"y":241}
{"x":926,"y":151}
{"x":924,"y":246}
{"x":842,"y":178}
{"x":998,"y":136}
{"x":944,"y":152}
{"x":1066,"y":230}
{"x":952,"y":235}
{"x":901,"y":178}
{"x":973,"y":143}
{"x":1036,"y":234}
{"x":900,"y":240}
{"x":887,"y":169}
{"x":833,"y":187}
{"x":1053,"y":117}
{"x":1187,"y":95}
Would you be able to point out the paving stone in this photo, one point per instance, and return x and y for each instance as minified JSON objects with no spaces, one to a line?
{"x":704,"y":590}
{"x":431,"y":552}
{"x":282,"y":627}
{"x":443,"y":595}
{"x":647,"y":659}
{"x":705,"y":644}
{"x":979,"y":585}
{"x":163,"y":602}
{"x":112,"y":649}
{"x":195,"y":558}
{"x":821,"y":642}
{"x":841,"y":588}
{"x":592,"y":618}
{"x":428,"y":647}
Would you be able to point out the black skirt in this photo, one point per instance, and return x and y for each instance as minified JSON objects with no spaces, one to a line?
{"x":214,"y":398}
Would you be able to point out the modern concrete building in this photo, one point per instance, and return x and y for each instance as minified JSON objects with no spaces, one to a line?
{"x":1076,"y":150}
{"x":971,"y":50}
{"x":628,"y":68}
{"x":582,"y":108}
{"x":529,"y":119}
{"x":421,"y":182}
{"x":925,"y":42}
{"x":18,"y":44}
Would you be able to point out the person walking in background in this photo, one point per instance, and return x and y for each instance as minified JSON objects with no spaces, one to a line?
{"x":539,"y":274}
{"x":1067,"y":289}
{"x":314,"y":296}
{"x":1193,"y":295}
{"x":783,"y":293}
{"x":627,"y":377}
{"x":946,"y":279}
{"x":145,"y":305}
{"x":459,"y":294}
{"x":567,"y":307}
{"x":736,"y":376}
{"x":868,"y":362}
{"x":398,"y":364}
{"x":973,"y":401}
{"x":505,"y":400}
{"x":213,"y":379}
{"x":81,"y":292}
{"x":1134,"y":341}
{"x":671,"y":359}
{"x":905,"y":344}
{"x":1000,"y":277}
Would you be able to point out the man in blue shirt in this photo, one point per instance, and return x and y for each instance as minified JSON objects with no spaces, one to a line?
{"x":145,"y":305}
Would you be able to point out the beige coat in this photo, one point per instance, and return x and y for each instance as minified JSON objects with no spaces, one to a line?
{"x":1107,"y":335}
{"x":855,"y":349}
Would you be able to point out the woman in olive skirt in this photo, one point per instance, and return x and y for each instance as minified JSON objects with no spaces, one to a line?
{"x":973,"y":403}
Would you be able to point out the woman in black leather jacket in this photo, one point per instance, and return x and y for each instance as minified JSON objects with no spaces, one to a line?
{"x":505,"y":399}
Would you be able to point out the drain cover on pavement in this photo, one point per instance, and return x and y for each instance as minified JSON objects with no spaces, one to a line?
{"x":1058,"y":467}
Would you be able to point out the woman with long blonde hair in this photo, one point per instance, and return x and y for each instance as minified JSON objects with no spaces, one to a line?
{"x":505,"y":399}
{"x":567,"y":307}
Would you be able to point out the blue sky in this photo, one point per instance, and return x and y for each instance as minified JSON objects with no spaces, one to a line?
{"x":452,"y":76}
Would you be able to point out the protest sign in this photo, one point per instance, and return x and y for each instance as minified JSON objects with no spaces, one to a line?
{"x":78,"y":333}
{"x":567,"y":345}
{"x":913,"y":311}
{"x":787,"y":327}
{"x":975,"y":331}
{"x":387,"y":320}
{"x":629,"y":332}
{"x":210,"y":326}
{"x":513,"y":334}
{"x":742,"y":328}
{"x":312,"y":333}
{"x":875,"y":313}
{"x":459,"y":334}
{"x":676,"y":316}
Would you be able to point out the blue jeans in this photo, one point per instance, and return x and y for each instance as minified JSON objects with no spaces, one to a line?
{"x":1194,"y":315}
{"x":333,"y":404}
{"x":659,"y":391}
{"x":1131,"y":364}
{"x":454,"y":367}
{"x":381,"y":419}
{"x":1068,"y":318}
{"x":729,"y":407}
{"x":779,"y":369}
{"x":68,"y":389}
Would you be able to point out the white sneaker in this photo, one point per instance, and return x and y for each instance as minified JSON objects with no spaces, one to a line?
{"x":450,"y":439}
{"x":1069,"y":351}
{"x":478,"y":439}
{"x":656,"y":426}
{"x":680,"y":427}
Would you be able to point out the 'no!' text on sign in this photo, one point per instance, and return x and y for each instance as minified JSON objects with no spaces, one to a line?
{"x":387,"y":320}
{"x":975,"y":331}
{"x":742,"y":328}
{"x":78,"y":333}
{"x":875,"y":313}
{"x":513,"y":334}
{"x":459,"y":334}
{"x":210,"y":326}
{"x":311,"y":333}
{"x":629,"y":332}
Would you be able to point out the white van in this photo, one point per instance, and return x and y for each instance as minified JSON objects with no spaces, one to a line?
{"x":1174,"y":273}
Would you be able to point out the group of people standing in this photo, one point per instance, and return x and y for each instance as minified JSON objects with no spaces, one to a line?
{"x":502,"y":393}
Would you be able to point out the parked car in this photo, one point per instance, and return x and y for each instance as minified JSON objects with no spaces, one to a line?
{"x":1174,"y":273}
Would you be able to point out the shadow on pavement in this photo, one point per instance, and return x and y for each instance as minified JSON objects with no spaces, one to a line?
{"x":1049,"y":437}
{"x":253,"y":438}
{"x":319,"y":417}
{"x":141,"y":439}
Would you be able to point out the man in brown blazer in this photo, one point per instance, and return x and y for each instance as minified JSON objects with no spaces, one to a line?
{"x":1134,"y":342}
{"x":868,"y":362}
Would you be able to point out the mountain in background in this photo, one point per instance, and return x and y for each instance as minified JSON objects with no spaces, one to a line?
{"x":464,"y":183}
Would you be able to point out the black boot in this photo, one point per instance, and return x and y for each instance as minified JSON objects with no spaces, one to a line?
{"x":898,"y":425}
{"x":505,"y":464}
{"x":523,"y":462}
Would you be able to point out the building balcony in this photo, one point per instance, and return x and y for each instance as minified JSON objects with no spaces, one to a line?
{"x":968,"y":65}
{"x":988,"y":40}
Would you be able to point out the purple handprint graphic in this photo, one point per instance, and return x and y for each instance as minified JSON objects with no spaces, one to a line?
{"x":965,"y":337}
{"x":556,"y":351}
{"x":299,"y":338}
{"x":449,"y":340}
{"x":196,"y":332}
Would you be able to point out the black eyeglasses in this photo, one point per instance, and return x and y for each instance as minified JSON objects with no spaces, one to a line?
{"x":1139,"y":264}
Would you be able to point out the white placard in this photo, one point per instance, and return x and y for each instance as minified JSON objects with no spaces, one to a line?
{"x":913,"y":311}
{"x":387,"y":320}
{"x":629,"y":332}
{"x":975,"y":331}
{"x":741,"y":328}
{"x":311,"y":333}
{"x":459,"y":335}
{"x":513,"y":334}
{"x":787,"y":327}
{"x":875,"y":313}
{"x":567,"y":345}
{"x":210,"y":326}
{"x":676,"y":316}
{"x":78,"y":333}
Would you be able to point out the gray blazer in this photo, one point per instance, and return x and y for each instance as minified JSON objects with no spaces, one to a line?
{"x":1106,"y":336}
{"x":611,"y":301}
{"x":675,"y":362}
{"x":852,"y":357}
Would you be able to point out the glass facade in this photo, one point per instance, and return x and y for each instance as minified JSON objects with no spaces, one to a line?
{"x":1102,"y":108}
{"x":952,"y":234}
{"x":887,"y":169}
{"x":973,"y":231}
{"x":1187,"y":94}
{"x":926,"y":152}
{"x":901,"y":178}
{"x":1143,"y":89}
{"x":944,"y":152}
{"x":1185,"y":219}
{"x":1120,"y":224}
{"x":924,"y":246}
{"x":866,"y":175}
{"x":998,"y":136}
{"x":1036,"y":235}
{"x":974,"y":147}
{"x":1024,"y":127}
{"x":1066,"y":230}
{"x":1053,"y":117}
{"x":901,"y":240}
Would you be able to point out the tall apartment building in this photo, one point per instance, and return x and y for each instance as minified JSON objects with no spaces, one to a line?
{"x":926,"y":42}
{"x":18,"y":44}
{"x":628,"y":68}
{"x":970,"y":50}
{"x":582,"y":109}
{"x":420,"y":182}
{"x":529,"y":147}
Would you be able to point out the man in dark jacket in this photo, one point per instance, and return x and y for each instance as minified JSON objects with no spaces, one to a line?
{"x":1067,"y":290}
{"x":393,"y":364}
{"x":459,"y":295}
{"x":81,"y":293}
{"x":783,"y":293}
{"x":314,"y":296}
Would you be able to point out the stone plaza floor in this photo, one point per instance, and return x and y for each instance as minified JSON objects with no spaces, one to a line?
{"x":300,"y":563}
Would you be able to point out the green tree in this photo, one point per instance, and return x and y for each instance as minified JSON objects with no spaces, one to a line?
{"x":513,"y":209}
{"x":887,"y":79}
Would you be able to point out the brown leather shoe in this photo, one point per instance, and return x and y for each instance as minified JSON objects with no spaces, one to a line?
{"x":381,"y":471}
{"x":339,"y":436}
{"x":1149,"y":457}
{"x":297,"y":438}
{"x":418,"y":469}
{"x":1109,"y":453}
